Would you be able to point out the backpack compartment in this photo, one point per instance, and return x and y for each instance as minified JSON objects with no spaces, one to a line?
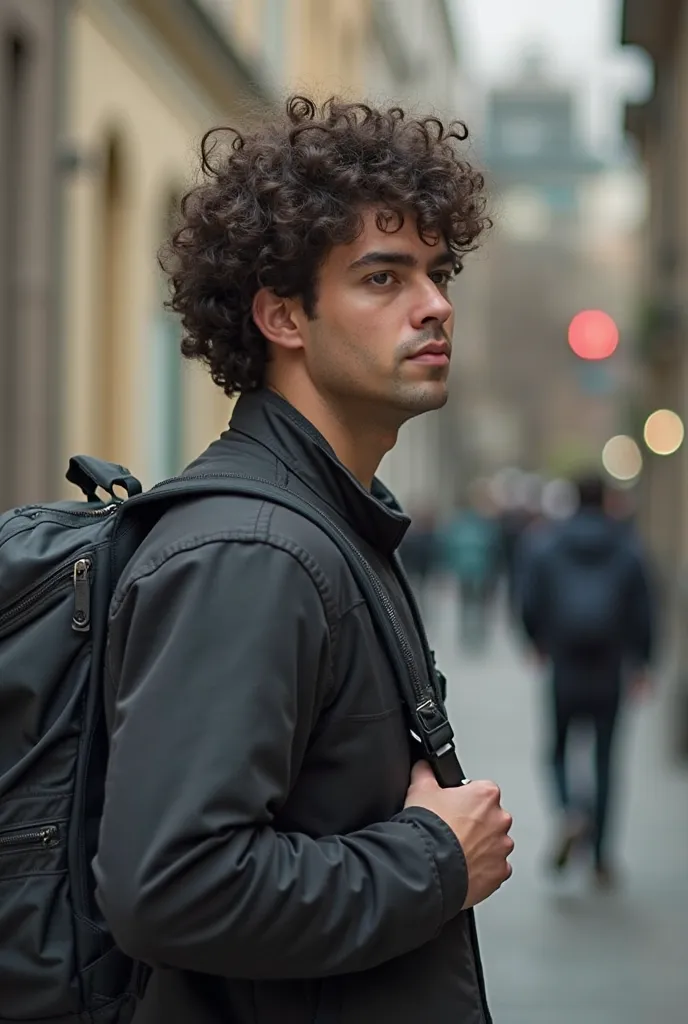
{"x":45,"y":669}
{"x":53,"y":584}
{"x":35,"y":916}
{"x":58,"y":961}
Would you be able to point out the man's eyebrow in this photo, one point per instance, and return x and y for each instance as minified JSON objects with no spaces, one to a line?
{"x":401,"y":259}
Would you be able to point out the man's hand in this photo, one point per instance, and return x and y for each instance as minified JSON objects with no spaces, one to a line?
{"x":474,"y":814}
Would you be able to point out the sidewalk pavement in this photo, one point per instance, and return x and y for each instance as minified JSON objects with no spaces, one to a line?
{"x":559,"y":951}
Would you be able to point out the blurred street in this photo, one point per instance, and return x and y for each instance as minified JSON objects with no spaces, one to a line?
{"x":558,"y":951}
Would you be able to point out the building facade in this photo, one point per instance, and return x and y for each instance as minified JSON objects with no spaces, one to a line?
{"x":32,"y":68}
{"x":147,"y":79}
{"x":317,"y":46}
{"x":660,"y":130}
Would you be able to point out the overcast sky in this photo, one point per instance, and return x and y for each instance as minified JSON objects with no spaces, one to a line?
{"x":581,"y":39}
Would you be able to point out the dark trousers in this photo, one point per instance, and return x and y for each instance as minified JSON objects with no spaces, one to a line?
{"x":599,"y":710}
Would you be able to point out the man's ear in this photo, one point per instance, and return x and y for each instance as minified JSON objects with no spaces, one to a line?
{"x":277,"y":319}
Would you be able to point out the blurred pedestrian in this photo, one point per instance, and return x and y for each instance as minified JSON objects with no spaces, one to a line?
{"x":473,"y":557}
{"x":513,"y":523}
{"x":420,"y":554}
{"x":274,"y":842}
{"x":588,"y":610}
{"x":531,"y":540}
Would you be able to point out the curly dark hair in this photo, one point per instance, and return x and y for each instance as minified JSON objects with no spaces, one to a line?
{"x":273,"y":201}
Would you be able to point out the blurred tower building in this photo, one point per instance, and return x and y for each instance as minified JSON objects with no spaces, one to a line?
{"x":564,"y":241}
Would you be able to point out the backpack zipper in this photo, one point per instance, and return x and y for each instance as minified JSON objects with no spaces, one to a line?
{"x":81,"y":619}
{"x":78,"y":574}
{"x":106,"y":510}
{"x":47,"y":836}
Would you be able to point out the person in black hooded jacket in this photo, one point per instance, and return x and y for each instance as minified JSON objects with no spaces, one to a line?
{"x":273,"y":844}
{"x":587,"y":608}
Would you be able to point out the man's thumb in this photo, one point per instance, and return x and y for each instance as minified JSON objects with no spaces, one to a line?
{"x":422,"y":773}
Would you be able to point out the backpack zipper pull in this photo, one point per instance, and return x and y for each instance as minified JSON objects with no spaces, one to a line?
{"x":81,"y":619}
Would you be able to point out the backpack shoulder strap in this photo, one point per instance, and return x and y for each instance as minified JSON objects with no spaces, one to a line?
{"x":426,"y":714}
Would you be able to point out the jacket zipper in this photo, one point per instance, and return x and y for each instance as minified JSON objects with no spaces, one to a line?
{"x":78,"y":574}
{"x":47,"y":836}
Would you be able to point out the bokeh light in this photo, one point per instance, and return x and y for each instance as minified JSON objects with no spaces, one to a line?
{"x":664,"y":432}
{"x":621,"y":458}
{"x":593,"y":334}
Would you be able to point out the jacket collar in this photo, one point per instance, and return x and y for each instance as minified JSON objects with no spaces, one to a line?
{"x":276,"y":425}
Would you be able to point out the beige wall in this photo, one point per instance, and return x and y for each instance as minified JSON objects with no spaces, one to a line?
{"x":124,"y":86}
{"x":328,"y":45}
{"x":324,"y":42}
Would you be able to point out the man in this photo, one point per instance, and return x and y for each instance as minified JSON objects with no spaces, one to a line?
{"x":587,"y":608}
{"x":268,"y":844}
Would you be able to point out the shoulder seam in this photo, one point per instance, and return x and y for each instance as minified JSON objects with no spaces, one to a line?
{"x":303,"y":557}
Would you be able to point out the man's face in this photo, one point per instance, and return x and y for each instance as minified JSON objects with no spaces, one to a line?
{"x":383,"y":323}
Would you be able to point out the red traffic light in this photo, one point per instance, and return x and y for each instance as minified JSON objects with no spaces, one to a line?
{"x":593,"y":334}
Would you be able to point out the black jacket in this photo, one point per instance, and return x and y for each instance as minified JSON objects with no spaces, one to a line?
{"x":254,"y":848}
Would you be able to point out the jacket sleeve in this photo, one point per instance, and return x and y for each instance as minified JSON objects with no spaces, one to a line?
{"x":221,"y":659}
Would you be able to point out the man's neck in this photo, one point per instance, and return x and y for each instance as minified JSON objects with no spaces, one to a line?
{"x":358,"y":446}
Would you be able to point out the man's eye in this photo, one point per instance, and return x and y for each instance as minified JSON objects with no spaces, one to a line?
{"x":382,"y":278}
{"x":442,"y":277}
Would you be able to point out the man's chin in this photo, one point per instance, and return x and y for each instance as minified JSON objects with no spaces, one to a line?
{"x":426,"y":398}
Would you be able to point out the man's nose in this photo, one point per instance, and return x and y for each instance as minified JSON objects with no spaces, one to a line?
{"x":433,"y":305}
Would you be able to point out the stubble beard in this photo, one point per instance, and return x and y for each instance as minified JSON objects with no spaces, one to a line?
{"x":413,"y":398}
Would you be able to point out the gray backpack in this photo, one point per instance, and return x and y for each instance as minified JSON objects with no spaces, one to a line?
{"x":59,"y":565}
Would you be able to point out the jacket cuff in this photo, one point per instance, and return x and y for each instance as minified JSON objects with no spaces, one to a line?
{"x":447,"y":855}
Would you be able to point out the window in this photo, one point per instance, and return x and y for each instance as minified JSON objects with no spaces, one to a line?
{"x":523,"y":137}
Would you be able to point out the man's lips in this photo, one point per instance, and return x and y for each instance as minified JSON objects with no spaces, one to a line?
{"x":435,"y":354}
